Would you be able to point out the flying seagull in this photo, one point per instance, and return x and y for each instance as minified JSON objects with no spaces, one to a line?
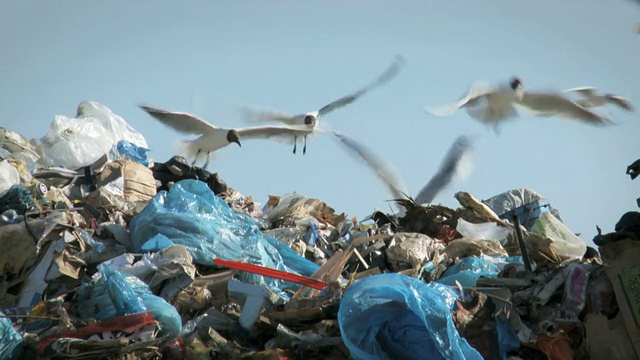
{"x":213,"y":138}
{"x":452,"y":165}
{"x":311,"y":119}
{"x":489,"y":104}
{"x":492,"y":105}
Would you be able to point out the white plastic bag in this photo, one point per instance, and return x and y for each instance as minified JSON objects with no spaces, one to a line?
{"x":485,"y":231}
{"x":564,"y":242}
{"x":9,"y":176}
{"x":76,"y":142}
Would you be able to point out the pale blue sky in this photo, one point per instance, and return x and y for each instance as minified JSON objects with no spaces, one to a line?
{"x":208,"y":56}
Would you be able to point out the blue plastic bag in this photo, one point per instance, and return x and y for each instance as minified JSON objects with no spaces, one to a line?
{"x":507,"y":338}
{"x":118,"y":294}
{"x":467,"y":272}
{"x":128,"y":151}
{"x":10,"y":340}
{"x":190,"y":214}
{"x":393,"y":316}
{"x":311,"y":235}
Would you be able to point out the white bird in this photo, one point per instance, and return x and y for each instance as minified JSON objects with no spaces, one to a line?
{"x":591,"y":99}
{"x":486,"y":103}
{"x":213,"y":138}
{"x":311,"y":119}
{"x":494,"y":105}
{"x":452,"y":166}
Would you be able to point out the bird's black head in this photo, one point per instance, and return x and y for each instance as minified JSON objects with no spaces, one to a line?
{"x":515,"y":83}
{"x":232,"y":137}
{"x":310,"y":120}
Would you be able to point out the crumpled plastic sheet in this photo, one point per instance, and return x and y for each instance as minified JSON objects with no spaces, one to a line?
{"x":117,"y":294}
{"x":467,"y":272}
{"x":564,"y":241}
{"x":511,"y":200}
{"x":190,"y":214}
{"x":484,"y":231}
{"x":125,"y":150}
{"x":393,"y":316}
{"x":76,"y":142}
{"x":10,"y":340}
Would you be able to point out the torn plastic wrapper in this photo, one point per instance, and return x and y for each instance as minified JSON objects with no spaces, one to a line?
{"x":392,"y":316}
{"x":190,"y":214}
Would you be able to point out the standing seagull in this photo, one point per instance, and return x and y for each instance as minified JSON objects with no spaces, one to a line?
{"x":213,"y":138}
{"x":591,"y":99}
{"x":310,"y":120}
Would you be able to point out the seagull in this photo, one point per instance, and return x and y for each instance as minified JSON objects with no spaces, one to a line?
{"x":493,"y":105}
{"x":311,"y":119}
{"x":591,"y":99}
{"x":213,"y":138}
{"x":452,"y":166}
{"x":489,"y":104}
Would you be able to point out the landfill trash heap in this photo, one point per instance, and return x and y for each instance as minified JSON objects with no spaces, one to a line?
{"x":107,"y":254}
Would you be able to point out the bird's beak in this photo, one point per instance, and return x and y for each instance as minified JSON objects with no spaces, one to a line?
{"x":238,"y":142}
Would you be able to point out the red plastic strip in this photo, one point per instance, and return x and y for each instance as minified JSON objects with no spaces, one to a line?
{"x":277,"y":274}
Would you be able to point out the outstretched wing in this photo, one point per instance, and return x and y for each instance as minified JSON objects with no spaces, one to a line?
{"x":180,"y":121}
{"x":281,"y":134}
{"x":389,"y":74}
{"x":583,"y":90}
{"x":449,"y":169}
{"x":475,"y":93}
{"x":621,"y":102}
{"x":393,"y":182}
{"x":550,"y":104}
{"x":262,"y":115}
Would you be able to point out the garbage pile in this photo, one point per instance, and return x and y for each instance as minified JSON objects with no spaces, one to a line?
{"x":106,"y":254}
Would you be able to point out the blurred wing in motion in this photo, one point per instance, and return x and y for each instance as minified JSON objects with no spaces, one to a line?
{"x":396,"y":186}
{"x":280,"y":134}
{"x":583,"y":90}
{"x":550,"y":104}
{"x":475,"y":94}
{"x":591,"y":99}
{"x":452,"y":166}
{"x":389,"y":74}
{"x":252,"y":114}
{"x":180,"y":121}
